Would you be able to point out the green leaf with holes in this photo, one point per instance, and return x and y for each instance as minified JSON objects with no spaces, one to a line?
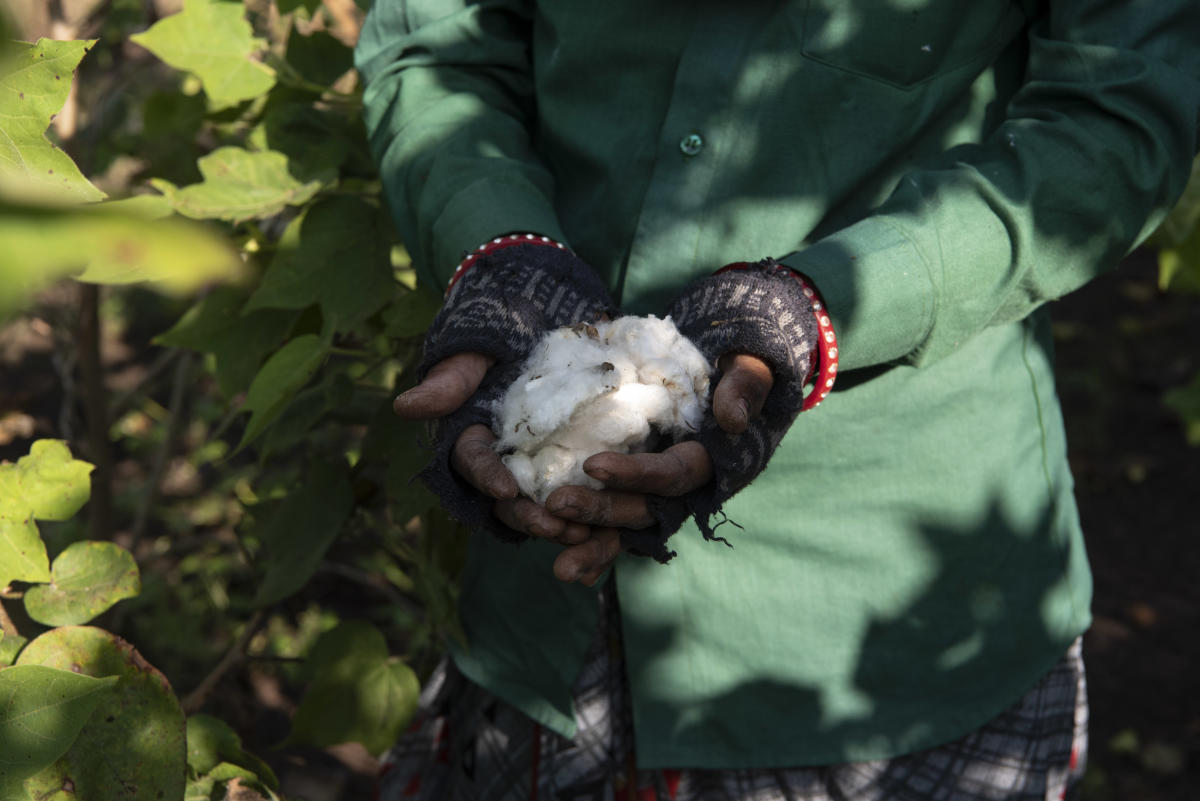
{"x":35,"y":80}
{"x":85,"y":580}
{"x":132,"y":746}
{"x":240,"y":185}
{"x":212,"y":40}
{"x":42,"y":711}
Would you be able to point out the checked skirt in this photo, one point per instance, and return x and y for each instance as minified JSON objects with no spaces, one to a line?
{"x":468,"y":745}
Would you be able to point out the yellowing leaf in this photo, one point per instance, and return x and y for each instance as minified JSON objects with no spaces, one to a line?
{"x":239,"y":185}
{"x":41,"y":245}
{"x":85,"y":580}
{"x":212,"y":40}
{"x":34,"y":82}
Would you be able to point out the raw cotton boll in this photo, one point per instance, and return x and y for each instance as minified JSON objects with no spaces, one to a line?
{"x":589,"y":388}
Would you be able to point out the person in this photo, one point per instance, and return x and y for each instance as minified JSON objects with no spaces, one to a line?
{"x":900,"y":188}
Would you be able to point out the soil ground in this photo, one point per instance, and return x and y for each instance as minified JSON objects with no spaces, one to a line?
{"x":1121,"y":345}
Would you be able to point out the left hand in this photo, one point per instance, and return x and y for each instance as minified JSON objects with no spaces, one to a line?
{"x":630,"y":478}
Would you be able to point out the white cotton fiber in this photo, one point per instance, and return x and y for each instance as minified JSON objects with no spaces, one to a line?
{"x":598,"y":387}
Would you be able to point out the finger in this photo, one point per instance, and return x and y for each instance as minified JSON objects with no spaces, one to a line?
{"x":474,"y":458}
{"x":600,"y":507}
{"x":588,"y":561}
{"x":741,"y":392}
{"x":446,"y":387}
{"x":676,"y":471}
{"x":530,"y":518}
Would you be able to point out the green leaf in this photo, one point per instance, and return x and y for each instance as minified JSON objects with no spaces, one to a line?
{"x":48,"y":481}
{"x":341,"y":261}
{"x":280,"y":378}
{"x":316,"y":140}
{"x":100,"y":245}
{"x":358,"y":693}
{"x":310,"y":406}
{"x":410,"y":314}
{"x":1184,"y":218}
{"x":46,"y":484}
{"x":398,"y":444}
{"x":35,"y":80}
{"x":1179,"y":265}
{"x":132,"y":747}
{"x":212,"y":40}
{"x":301,"y":530}
{"x":288,"y":6}
{"x":42,"y":711}
{"x":319,"y":57}
{"x":85,"y":580}
{"x":10,"y":646}
{"x":211,"y":743}
{"x":22,"y":552}
{"x":1185,"y":402}
{"x":239,"y":185}
{"x":238,"y":342}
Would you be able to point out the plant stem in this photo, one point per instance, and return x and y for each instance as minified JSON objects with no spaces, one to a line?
{"x":95,"y":406}
{"x":236,"y":654}
{"x":6,"y":625}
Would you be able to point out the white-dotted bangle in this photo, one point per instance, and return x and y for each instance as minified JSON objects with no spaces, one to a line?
{"x":499,"y":243}
{"x":825,"y":354}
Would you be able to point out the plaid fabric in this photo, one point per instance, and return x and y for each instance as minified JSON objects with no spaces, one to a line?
{"x":469,"y":745}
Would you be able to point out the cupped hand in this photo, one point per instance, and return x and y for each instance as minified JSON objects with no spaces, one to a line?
{"x":444,"y":389}
{"x":630,"y":479}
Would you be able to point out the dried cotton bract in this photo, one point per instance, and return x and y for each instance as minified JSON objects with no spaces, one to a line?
{"x":598,"y":387}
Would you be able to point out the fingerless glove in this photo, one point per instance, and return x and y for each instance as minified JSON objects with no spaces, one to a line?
{"x":759,"y":309}
{"x":501,"y":307}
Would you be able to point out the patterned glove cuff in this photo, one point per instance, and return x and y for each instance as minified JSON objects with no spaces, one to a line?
{"x":500,"y":243}
{"x":508,"y":294}
{"x":825,"y":355}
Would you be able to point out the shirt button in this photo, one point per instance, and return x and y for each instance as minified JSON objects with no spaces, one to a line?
{"x":691,"y":144}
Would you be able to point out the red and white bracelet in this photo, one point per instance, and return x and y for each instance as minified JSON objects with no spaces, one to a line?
{"x":825,"y":355}
{"x":499,"y":243}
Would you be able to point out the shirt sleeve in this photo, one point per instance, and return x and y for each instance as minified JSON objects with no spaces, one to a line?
{"x":1094,"y":148}
{"x":449,"y":103}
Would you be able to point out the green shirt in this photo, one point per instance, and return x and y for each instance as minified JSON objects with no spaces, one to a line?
{"x":911,"y":560}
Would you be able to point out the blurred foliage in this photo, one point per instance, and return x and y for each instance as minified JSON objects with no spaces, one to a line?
{"x":1178,"y":243}
{"x":266,"y":522}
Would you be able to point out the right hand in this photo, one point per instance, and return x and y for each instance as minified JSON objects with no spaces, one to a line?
{"x":446,"y":387}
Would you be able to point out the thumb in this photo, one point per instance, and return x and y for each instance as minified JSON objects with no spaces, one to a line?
{"x":741,"y":392}
{"x":446,"y":387}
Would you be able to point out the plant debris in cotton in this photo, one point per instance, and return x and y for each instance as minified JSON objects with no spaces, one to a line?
{"x":594,"y":387}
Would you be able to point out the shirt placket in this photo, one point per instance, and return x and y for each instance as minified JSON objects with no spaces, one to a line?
{"x":695,"y":138}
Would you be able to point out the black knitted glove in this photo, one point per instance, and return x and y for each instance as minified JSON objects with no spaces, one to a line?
{"x":762,"y":311}
{"x":500,"y":308}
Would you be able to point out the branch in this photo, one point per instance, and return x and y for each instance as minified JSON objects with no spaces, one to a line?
{"x":95,"y":405}
{"x":6,"y":625}
{"x":235,"y":655}
{"x":179,"y":383}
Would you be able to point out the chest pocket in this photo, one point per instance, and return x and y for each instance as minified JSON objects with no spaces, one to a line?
{"x":902,"y":42}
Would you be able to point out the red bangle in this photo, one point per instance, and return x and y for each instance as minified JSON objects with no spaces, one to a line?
{"x":825,"y":354}
{"x":499,"y":243}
